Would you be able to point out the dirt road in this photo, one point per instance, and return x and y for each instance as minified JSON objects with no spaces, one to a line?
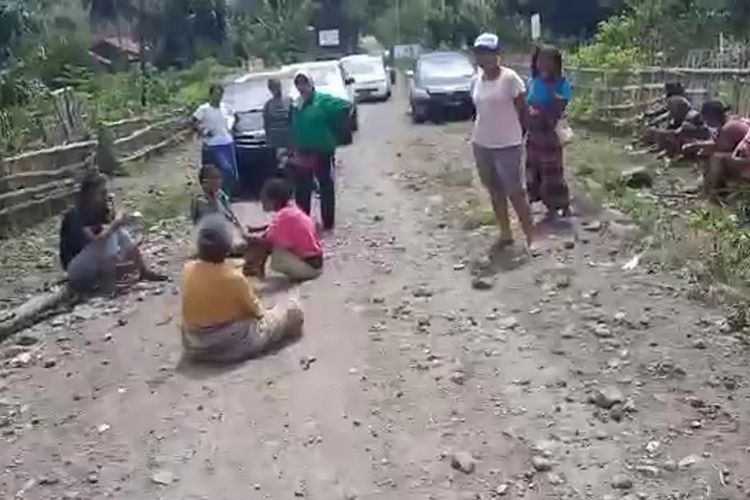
{"x":428,"y":371}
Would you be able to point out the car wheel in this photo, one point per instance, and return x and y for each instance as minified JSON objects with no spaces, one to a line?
{"x":418,"y":115}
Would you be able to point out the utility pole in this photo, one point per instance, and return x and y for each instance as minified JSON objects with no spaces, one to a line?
{"x":142,"y":48}
{"x":398,"y":22}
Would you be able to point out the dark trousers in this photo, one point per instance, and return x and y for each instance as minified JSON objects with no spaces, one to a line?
{"x":304,"y":184}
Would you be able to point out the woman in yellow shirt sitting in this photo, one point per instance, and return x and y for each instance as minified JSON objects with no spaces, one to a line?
{"x":223,"y":320}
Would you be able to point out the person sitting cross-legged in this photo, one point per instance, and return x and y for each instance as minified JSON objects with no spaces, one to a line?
{"x":223,"y":320}
{"x":290,"y":239}
{"x":211,"y":199}
{"x":95,"y":245}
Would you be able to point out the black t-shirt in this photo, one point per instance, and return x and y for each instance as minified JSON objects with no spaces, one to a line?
{"x":73,"y":237}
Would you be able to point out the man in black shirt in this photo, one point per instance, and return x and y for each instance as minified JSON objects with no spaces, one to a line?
{"x":277,"y":119}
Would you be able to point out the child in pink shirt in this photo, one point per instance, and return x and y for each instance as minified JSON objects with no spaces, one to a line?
{"x":290,"y":239}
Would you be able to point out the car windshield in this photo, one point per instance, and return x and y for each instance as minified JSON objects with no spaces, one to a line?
{"x":326,"y":76}
{"x":247,"y":96}
{"x":445,"y":68}
{"x":374,"y":68}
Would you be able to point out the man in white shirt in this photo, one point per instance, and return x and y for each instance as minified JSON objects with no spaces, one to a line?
{"x":214,"y":121}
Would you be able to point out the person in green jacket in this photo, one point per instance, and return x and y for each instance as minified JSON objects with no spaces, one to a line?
{"x":316,"y":120}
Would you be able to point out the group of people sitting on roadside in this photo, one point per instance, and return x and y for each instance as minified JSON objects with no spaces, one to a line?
{"x":223,"y":319}
{"x":717,"y":139}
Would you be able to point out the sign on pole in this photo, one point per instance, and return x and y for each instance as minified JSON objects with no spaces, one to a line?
{"x":328,"y":38}
{"x":536,"y":27}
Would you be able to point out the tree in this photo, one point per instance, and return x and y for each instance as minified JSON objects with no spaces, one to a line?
{"x":19,"y":22}
{"x":274,"y":30}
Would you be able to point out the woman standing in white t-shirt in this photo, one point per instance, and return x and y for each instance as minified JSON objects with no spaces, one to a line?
{"x":215,"y":122}
{"x":499,"y":97}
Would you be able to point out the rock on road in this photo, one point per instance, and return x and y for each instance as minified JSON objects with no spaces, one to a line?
{"x":566,"y":377}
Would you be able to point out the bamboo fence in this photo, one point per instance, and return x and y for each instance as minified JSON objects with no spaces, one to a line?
{"x":621,"y":97}
{"x":38,"y":184}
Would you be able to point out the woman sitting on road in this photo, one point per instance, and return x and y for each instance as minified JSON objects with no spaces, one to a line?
{"x":549,"y":95}
{"x":290,"y":240}
{"x":94,"y":242}
{"x":223,"y":320}
{"x":212,"y":200}
{"x":499,"y":99}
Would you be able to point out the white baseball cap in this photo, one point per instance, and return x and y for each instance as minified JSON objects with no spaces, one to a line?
{"x":488,"y":41}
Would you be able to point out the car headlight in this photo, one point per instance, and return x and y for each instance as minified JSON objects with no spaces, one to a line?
{"x":421,"y":93}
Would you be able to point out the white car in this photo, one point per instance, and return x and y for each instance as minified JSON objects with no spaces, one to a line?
{"x":330,"y":78}
{"x":371,"y":80}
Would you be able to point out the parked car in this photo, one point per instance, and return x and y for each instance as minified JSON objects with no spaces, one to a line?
{"x":331,"y":78}
{"x":441,"y":83}
{"x":371,"y":81}
{"x":256,"y":160}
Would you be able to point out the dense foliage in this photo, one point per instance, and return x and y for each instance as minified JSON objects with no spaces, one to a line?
{"x":664,"y":31}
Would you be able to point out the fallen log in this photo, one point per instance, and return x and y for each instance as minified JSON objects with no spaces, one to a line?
{"x":34,"y":310}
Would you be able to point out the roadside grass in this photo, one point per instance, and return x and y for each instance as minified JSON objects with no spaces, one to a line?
{"x":169,"y":202}
{"x":706,"y":244}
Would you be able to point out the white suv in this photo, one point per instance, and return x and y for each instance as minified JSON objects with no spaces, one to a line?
{"x":371,"y":80}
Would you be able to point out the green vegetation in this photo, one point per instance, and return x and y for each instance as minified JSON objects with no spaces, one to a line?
{"x":709,"y":245}
{"x":661,"y":32}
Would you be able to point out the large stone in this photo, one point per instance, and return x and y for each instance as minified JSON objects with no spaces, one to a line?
{"x":637,"y":178}
{"x":541,"y":464}
{"x":607,"y":397}
{"x":482,"y":283}
{"x":463,"y":461}
{"x":162,"y":477}
{"x":622,"y":482}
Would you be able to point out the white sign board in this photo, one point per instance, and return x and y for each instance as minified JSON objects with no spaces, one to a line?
{"x":328,"y":38}
{"x":407,"y":51}
{"x":536,"y":27}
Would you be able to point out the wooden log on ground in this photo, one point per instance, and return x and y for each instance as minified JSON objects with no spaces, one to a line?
{"x":34,"y":310}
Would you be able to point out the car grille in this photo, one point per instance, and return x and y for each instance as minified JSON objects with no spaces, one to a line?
{"x":250,"y":140}
{"x":458,"y":95}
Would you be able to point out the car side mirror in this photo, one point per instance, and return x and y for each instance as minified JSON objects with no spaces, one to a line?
{"x":349,"y":80}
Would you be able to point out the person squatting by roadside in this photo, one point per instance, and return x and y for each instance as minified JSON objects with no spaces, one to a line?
{"x":717,"y":155}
